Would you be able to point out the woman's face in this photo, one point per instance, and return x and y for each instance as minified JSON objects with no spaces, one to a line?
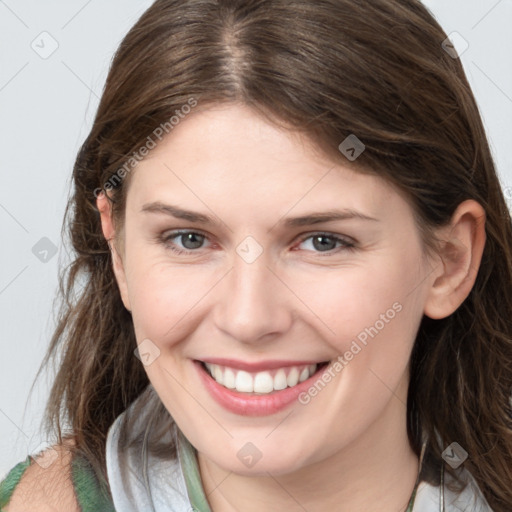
{"x":263,"y":293}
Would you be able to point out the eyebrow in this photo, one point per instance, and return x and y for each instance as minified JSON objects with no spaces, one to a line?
{"x":304,"y":220}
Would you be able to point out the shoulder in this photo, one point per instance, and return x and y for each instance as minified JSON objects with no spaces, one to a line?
{"x":46,"y":484}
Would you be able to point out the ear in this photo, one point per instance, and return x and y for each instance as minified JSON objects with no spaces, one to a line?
{"x":462,"y":246}
{"x":107,"y":225}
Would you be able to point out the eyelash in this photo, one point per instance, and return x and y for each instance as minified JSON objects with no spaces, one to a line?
{"x":346,"y":245}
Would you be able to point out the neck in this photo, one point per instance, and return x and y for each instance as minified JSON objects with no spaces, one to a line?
{"x":376,"y":473}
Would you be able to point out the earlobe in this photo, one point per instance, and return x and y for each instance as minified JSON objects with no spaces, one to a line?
{"x":462,"y":246}
{"x":107,"y":226}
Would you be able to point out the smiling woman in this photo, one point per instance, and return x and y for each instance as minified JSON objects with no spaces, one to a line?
{"x":300,"y":298}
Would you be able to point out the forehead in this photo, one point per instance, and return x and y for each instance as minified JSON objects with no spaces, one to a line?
{"x":230,"y":156}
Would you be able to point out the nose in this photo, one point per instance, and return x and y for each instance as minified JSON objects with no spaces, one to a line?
{"x":253,"y":304}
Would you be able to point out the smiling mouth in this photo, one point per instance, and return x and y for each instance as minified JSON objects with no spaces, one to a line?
{"x":263,"y":382}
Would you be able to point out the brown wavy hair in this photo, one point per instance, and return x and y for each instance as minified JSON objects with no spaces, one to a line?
{"x":328,"y":68}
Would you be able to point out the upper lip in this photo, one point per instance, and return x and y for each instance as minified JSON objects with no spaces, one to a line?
{"x":257,"y":366}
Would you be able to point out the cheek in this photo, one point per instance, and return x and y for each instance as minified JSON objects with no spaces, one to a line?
{"x":356,"y":301}
{"x":377,"y":330}
{"x":164,"y":297}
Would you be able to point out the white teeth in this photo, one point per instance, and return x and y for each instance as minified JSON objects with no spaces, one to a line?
{"x":304,"y":374}
{"x":293,"y":377}
{"x":260,"y":382}
{"x":219,"y":376}
{"x":280,"y":380}
{"x":244,"y":382}
{"x":263,"y":383}
{"x":229,"y":378}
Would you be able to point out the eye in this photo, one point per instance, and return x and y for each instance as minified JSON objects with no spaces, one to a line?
{"x":327,"y":242}
{"x":190,"y":240}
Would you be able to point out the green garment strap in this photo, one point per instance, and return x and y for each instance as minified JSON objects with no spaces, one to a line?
{"x":91,"y":495}
{"x":12,"y":479}
{"x":190,"y":469}
{"x":413,"y":496}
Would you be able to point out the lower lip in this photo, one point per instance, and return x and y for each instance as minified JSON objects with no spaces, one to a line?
{"x":253,"y":405}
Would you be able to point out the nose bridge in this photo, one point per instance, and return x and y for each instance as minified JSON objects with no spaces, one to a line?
{"x":251,"y":304}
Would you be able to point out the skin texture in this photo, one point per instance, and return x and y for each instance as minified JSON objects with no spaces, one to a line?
{"x":47,"y":487}
{"x":347,"y":449}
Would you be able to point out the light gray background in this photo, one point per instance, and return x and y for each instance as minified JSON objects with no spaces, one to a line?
{"x":46,"y":110}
